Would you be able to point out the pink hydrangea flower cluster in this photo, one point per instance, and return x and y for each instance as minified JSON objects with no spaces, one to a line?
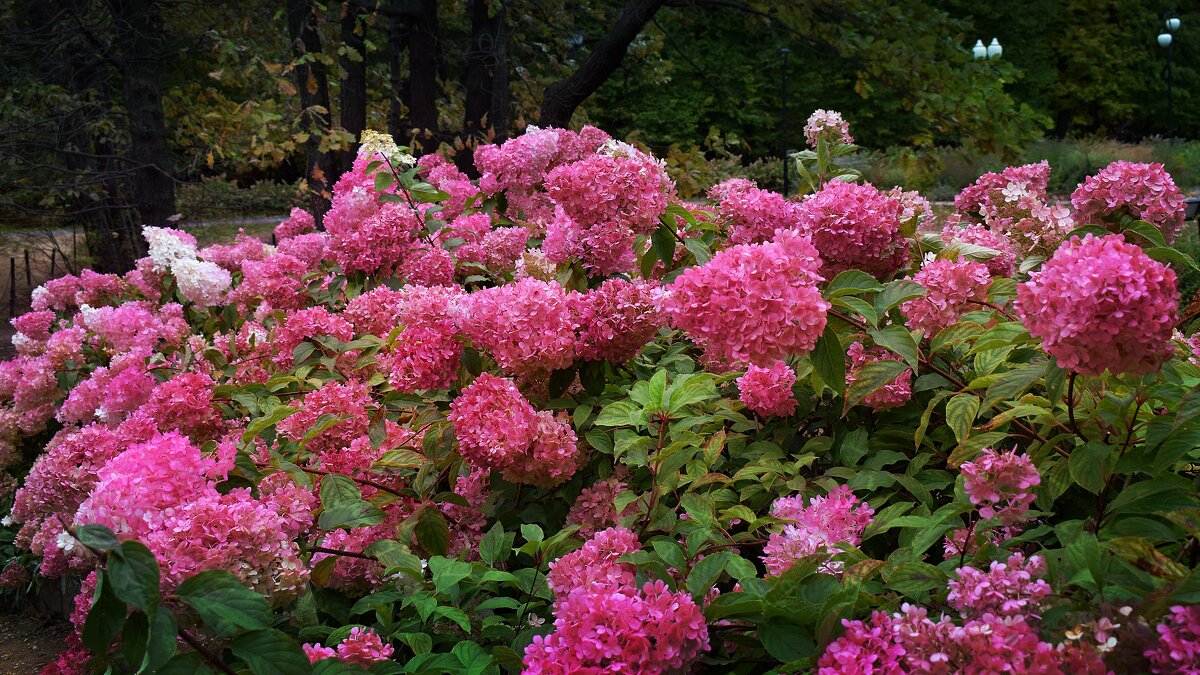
{"x":604,"y":621}
{"x":912,"y":205}
{"x":528,"y":327}
{"x":109,"y":394}
{"x":604,"y":249}
{"x":953,"y":288}
{"x":1008,"y":588}
{"x":426,"y":353}
{"x":604,"y":629}
{"x":1143,"y":191}
{"x":376,"y":241}
{"x":445,"y":176}
{"x":1178,"y":646}
{"x":855,"y":226}
{"x":1001,"y":484}
{"x":595,"y":508}
{"x":768,"y":391}
{"x":752,"y":215}
{"x":1014,"y":203}
{"x":891,"y":395}
{"x":1003,"y":264}
{"x":519,"y":166}
{"x":132,"y":326}
{"x":618,"y":318}
{"x":231,"y":256}
{"x":303,"y":325}
{"x":618,"y":185}
{"x":497,"y":429}
{"x":752,"y":303}
{"x":495,"y":250}
{"x":974,"y":198}
{"x":363,"y":647}
{"x":350,"y":402}
{"x":277,"y":282}
{"x":827,"y":124}
{"x":910,"y":642}
{"x":836,"y":518}
{"x":185,"y":402}
{"x":1102,"y":304}
{"x":299,"y":222}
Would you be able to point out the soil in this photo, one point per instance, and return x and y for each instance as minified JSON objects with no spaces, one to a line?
{"x":30,"y":640}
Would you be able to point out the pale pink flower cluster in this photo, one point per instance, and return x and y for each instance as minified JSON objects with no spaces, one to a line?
{"x":752,"y":215}
{"x":912,"y":205}
{"x":768,"y":391}
{"x":595,"y":508}
{"x":1008,"y":588}
{"x":618,"y":318}
{"x":1014,"y":203}
{"x":753,"y":303}
{"x":1001,"y":484}
{"x":363,"y":647}
{"x":827,"y":124}
{"x":1142,"y":191}
{"x":1101,"y":304}
{"x":132,"y":326}
{"x":953,"y":288}
{"x":855,"y":226}
{"x":1003,"y":264}
{"x":816,"y":529}
{"x":604,"y":621}
{"x":299,"y":222}
{"x":891,"y":395}
{"x":202,"y":282}
{"x":528,"y":327}
{"x":1178,"y":646}
{"x":497,"y":429}
{"x":70,"y":291}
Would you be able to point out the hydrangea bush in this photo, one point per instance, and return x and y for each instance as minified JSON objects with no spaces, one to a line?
{"x":556,"y":420}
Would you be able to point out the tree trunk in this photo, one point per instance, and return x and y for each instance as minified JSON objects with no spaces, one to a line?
{"x":422,"y":81}
{"x":312,"y":80}
{"x":486,"y":66}
{"x":398,"y":29}
{"x":562,"y":97}
{"x":353,"y":97}
{"x":139,"y":31}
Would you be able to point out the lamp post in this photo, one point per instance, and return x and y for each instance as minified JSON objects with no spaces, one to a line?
{"x":783,"y":116}
{"x":1166,"y":40}
{"x":994,"y":50}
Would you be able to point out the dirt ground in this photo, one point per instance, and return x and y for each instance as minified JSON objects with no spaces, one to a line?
{"x":29,"y":641}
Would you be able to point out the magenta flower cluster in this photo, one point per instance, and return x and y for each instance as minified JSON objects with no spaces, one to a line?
{"x":1139,"y":190}
{"x":1001,"y":484}
{"x":768,"y":391}
{"x":816,"y":528}
{"x":855,"y":226}
{"x":952,"y":288}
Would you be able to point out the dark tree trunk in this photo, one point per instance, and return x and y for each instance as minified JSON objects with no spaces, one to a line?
{"x":312,"y":80}
{"x":422,"y":81}
{"x":398,"y":29}
{"x":562,"y":97}
{"x":353,"y":96}
{"x":486,"y":66}
{"x":139,"y":31}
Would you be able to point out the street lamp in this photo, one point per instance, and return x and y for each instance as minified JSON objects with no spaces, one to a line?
{"x":1166,"y":41}
{"x":994,"y":50}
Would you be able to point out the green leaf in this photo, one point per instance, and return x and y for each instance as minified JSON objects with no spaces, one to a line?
{"x":852,"y":282}
{"x":134,"y":575}
{"x":617,"y":414}
{"x":664,"y":244}
{"x":338,"y":489}
{"x":224,"y":603}
{"x":163,"y":639}
{"x":872,"y":377}
{"x":1087,"y":465}
{"x":346,"y":515}
{"x":1173,"y":257}
{"x":97,"y":537}
{"x":707,"y":571}
{"x":900,"y":340}
{"x":495,"y":545}
{"x":278,"y":414}
{"x":447,"y":572}
{"x":896,"y":292}
{"x":1013,"y":384}
{"x":270,"y":652}
{"x":829,"y":360}
{"x":433,"y":533}
{"x":960,"y":414}
{"x":670,"y":552}
{"x":105,"y":618}
{"x":786,"y":641}
{"x":698,"y":249}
